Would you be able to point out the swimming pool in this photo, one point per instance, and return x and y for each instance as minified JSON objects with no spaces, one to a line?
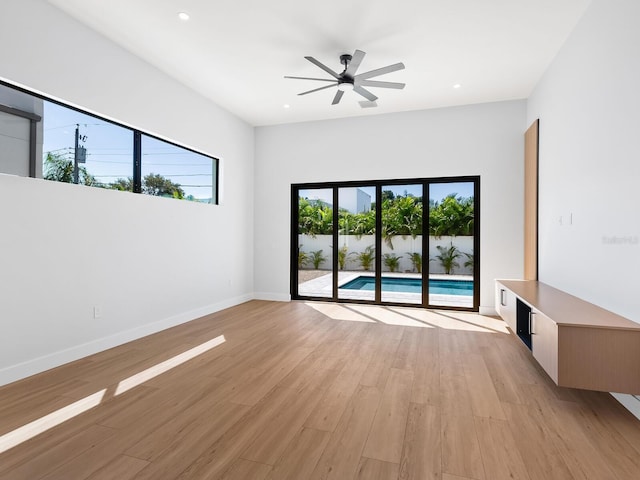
{"x":412,"y":285}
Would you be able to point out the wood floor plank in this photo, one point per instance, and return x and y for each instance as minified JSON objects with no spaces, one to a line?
{"x":341,"y":457}
{"x":302,"y":455}
{"x":387,"y":432}
{"x":455,"y":398}
{"x":370,"y":469}
{"x":499,"y":457}
{"x":505,"y":380}
{"x":323,"y":395}
{"x":407,"y":351}
{"x":483,"y":396}
{"x":188,"y":433}
{"x":426,"y":380}
{"x":334,"y":401}
{"x":422,"y":453}
{"x":244,"y":470}
{"x":252,"y":393}
{"x":460,"y":447}
{"x":534,"y":444}
{"x":54,"y":456}
{"x":583,"y":460}
{"x":377,"y":371}
{"x":314,"y":371}
{"x":219,"y":455}
{"x":269,"y":444}
{"x":122,"y":468}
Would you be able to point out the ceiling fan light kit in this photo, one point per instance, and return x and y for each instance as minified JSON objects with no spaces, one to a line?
{"x":348,"y":80}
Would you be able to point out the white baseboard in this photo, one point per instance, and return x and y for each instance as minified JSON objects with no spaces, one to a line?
{"x":489,"y":311}
{"x":273,"y":297}
{"x":55,"y":359}
{"x":630,"y":402}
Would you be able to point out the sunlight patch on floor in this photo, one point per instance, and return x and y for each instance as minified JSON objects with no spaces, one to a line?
{"x":152,"y":372}
{"x":339,"y":312}
{"x":42,"y":424}
{"x":452,"y":320}
{"x":411,"y":317}
{"x":30,"y":430}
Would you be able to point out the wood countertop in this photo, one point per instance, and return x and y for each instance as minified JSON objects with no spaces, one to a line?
{"x":565,"y":309}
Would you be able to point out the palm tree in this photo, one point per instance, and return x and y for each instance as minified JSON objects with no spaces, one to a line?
{"x":448,"y":257}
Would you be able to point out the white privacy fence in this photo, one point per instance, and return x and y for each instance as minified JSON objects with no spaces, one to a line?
{"x":402,"y":247}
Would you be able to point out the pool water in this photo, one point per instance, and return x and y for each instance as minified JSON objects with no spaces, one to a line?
{"x":412,"y":285}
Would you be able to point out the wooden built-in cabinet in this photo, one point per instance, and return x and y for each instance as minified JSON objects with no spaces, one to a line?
{"x":579,"y":345}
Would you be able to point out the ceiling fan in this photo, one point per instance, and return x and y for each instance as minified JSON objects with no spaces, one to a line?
{"x":347,"y":79}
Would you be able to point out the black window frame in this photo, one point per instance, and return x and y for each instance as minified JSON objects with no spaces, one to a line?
{"x":136,"y":134}
{"x":379,"y":184}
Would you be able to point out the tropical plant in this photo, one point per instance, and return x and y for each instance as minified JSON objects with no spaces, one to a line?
{"x":391,"y":260}
{"x":448,"y":257}
{"x":314,"y":217}
{"x":317,"y":258}
{"x":401,"y":215}
{"x":303,"y":258}
{"x":366,"y":257}
{"x":416,"y":261}
{"x":59,"y":169}
{"x":469,"y":261}
{"x":342,"y":257}
{"x":452,"y":216}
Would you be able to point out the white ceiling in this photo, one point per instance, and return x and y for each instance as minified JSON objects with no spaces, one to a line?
{"x":236,"y":52}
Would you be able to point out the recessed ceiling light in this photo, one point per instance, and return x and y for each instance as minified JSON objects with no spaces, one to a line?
{"x":457,"y":85}
{"x":286,"y":105}
{"x":184,"y":16}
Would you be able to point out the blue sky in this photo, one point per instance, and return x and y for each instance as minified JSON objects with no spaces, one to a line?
{"x":110,"y":151}
{"x":437,"y":190}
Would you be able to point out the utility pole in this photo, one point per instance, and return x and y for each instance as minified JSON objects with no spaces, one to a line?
{"x":75,"y":155}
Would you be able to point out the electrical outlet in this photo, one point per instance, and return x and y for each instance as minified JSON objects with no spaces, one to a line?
{"x":97,"y":312}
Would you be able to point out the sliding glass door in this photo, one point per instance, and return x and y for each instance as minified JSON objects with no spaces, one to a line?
{"x":452,"y":244}
{"x":357,"y":243}
{"x":314,"y":242}
{"x":411,"y":242}
{"x":401,"y":248}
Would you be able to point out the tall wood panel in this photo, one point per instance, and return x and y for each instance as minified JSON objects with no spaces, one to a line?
{"x":531,"y":202}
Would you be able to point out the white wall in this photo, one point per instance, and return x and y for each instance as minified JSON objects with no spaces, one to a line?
{"x":485,"y":140}
{"x":588,"y":103}
{"x":147,"y":262}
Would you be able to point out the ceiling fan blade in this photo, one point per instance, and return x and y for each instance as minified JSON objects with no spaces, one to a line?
{"x":318,"y":89}
{"x":380,"y":71}
{"x":311,"y":78}
{"x":365,"y":93}
{"x":374,"y":83}
{"x":323,"y":67}
{"x":337,"y":98}
{"x":356,"y":60}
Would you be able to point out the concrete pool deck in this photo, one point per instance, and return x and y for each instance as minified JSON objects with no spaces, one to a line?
{"x":322,"y":287}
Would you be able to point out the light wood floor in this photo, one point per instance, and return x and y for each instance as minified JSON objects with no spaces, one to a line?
{"x":316,"y":391}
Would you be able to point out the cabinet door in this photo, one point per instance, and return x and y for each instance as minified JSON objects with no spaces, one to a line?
{"x":544,"y":343}
{"x":506,"y":305}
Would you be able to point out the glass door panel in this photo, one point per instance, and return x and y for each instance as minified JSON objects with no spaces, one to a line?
{"x":401,"y":244}
{"x":356,"y":243}
{"x":315,"y":240}
{"x":451,"y":244}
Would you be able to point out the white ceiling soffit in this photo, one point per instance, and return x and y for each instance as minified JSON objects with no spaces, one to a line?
{"x":236,"y":52}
